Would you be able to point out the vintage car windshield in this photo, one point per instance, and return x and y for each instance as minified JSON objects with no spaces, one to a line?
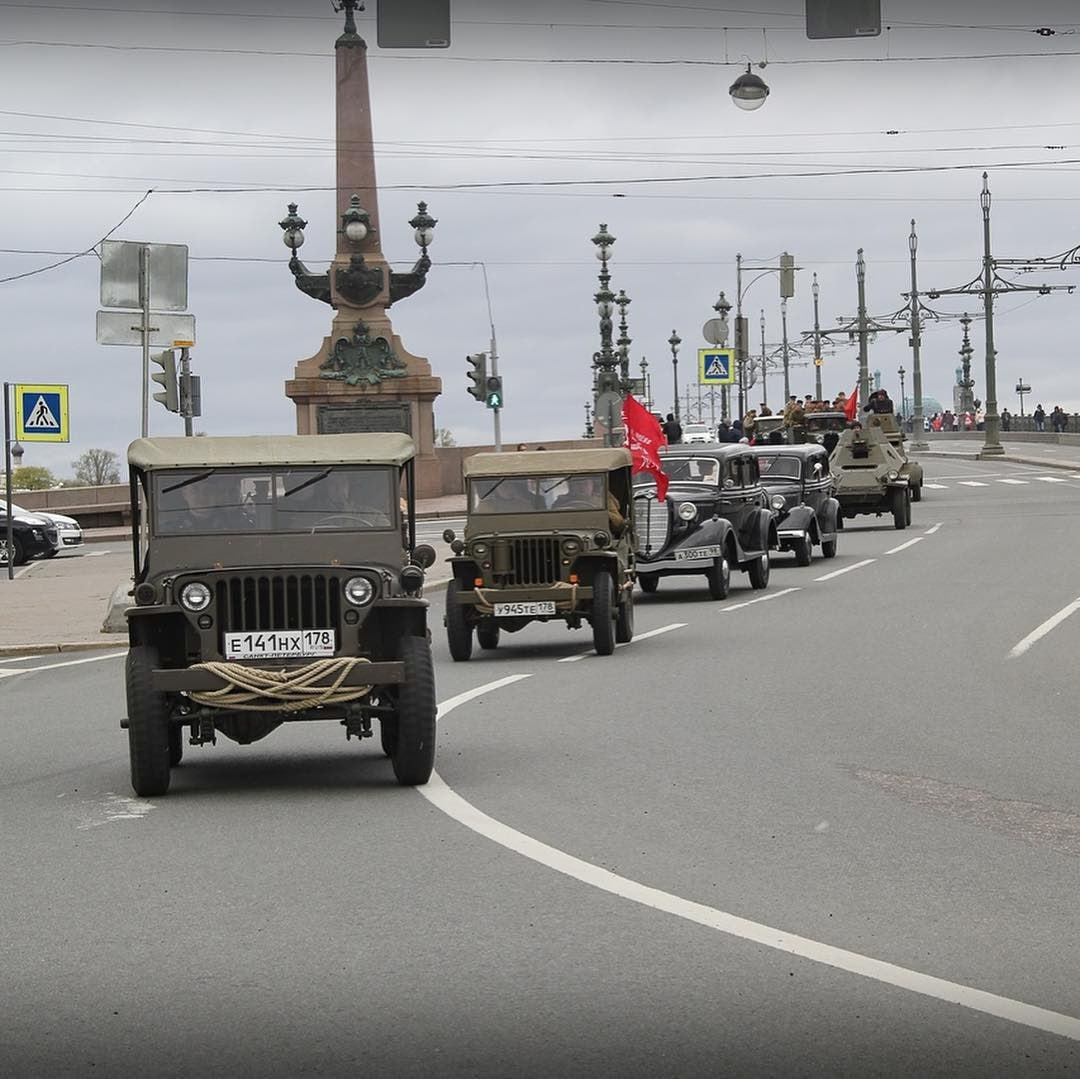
{"x":778,"y":469}
{"x":525,"y":494}
{"x":692,"y":469}
{"x":223,"y":500}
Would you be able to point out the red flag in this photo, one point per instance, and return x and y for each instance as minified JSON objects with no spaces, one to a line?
{"x":644,"y":438}
{"x":851,"y":409}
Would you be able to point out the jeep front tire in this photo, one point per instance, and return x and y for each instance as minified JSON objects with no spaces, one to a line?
{"x":413,"y":750}
{"x":148,"y":724}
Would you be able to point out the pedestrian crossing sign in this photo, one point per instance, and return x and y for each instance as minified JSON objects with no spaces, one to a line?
{"x":41,"y":414}
{"x":716,"y":366}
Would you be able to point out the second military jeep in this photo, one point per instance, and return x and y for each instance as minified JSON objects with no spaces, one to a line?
{"x":549,"y":536}
{"x":276,"y":579}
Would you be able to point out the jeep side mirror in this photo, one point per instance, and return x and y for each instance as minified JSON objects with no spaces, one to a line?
{"x":424,"y":555}
{"x":448,"y":535}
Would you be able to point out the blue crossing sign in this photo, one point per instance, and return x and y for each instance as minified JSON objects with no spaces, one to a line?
{"x":716,"y":366}
{"x":41,"y":414}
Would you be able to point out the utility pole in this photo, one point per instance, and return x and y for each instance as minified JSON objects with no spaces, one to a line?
{"x":817,"y":343}
{"x":918,"y":435}
{"x":783,"y":324}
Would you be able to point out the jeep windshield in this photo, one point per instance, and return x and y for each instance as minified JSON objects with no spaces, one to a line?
{"x":525,"y":494}
{"x":221,"y":500}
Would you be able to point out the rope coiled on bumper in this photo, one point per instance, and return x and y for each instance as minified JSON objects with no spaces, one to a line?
{"x":254,"y":689}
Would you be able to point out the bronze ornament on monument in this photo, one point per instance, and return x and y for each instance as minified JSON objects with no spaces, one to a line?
{"x":362,"y":378}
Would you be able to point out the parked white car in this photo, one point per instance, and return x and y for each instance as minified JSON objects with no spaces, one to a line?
{"x":69,"y":533}
{"x":697,"y":432}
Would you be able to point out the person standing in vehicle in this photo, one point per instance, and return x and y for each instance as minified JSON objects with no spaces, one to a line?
{"x":672,"y":430}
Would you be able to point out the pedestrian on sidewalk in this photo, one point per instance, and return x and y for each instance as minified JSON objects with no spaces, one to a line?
{"x":1039,"y":416}
{"x":1006,"y":420}
{"x":672,"y":430}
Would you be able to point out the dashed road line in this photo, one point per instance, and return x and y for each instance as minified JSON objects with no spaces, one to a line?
{"x":445,"y":799}
{"x":1017,"y":482}
{"x":637,"y":637}
{"x":846,"y":569}
{"x":936,"y":486}
{"x":760,"y":599}
{"x":1039,"y":632}
{"x":931,"y":531}
{"x":1051,"y":479}
{"x":904,"y":546}
{"x":973,"y":483}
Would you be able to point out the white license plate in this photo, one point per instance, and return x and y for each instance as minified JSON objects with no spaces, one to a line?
{"x":504,"y":610}
{"x":280,"y":644}
{"x":695,"y":553}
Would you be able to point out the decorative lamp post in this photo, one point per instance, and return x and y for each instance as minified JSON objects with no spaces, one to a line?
{"x":723,"y":309}
{"x":607,"y":409}
{"x":992,"y":445}
{"x":814,"y":288}
{"x":966,"y":382}
{"x":917,"y":423}
{"x":764,"y":370}
{"x":749,"y":91}
{"x":674,"y":341}
{"x":645,"y":383}
{"x":784,"y":346}
{"x":588,"y":422}
{"x":864,"y":357}
{"x":624,"y":342}
{"x":903,"y":403}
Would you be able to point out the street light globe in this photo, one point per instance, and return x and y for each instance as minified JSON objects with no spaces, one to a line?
{"x":293,"y":239}
{"x":749,"y":91}
{"x":424,"y":237}
{"x":356,"y":230}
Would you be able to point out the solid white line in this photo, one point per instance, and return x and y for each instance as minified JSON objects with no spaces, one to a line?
{"x":973,"y":483}
{"x":1016,"y":482}
{"x":1041,"y":631}
{"x":846,"y":569}
{"x":931,"y":531}
{"x":448,"y":801}
{"x":760,"y":599}
{"x":53,"y":666}
{"x":637,"y":637}
{"x":904,"y":546}
{"x":450,"y":704}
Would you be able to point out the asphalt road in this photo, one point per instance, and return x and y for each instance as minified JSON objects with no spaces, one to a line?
{"x":831,"y":828}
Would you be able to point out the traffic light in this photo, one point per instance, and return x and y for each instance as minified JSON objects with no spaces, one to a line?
{"x":166,"y":377}
{"x":478,"y":374}
{"x":787,"y":276}
{"x":494,"y":398}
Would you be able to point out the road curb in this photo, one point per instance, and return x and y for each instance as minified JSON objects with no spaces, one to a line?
{"x":63,"y":646}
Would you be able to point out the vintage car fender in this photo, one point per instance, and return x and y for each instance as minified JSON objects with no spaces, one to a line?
{"x":830,"y":515}
{"x":800,"y":518}
{"x":712,"y":531}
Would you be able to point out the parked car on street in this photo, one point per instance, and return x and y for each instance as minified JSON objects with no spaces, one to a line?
{"x":549,"y":537}
{"x":69,"y":532}
{"x":800,"y":487}
{"x":696,"y":432}
{"x":715,"y":518}
{"x":32,"y":536}
{"x":277,"y":579}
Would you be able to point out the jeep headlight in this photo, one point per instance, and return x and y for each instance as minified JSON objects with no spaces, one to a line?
{"x":359,"y":591}
{"x":892,"y":474}
{"x":778,"y":502}
{"x":478,"y":550}
{"x":571,"y":546}
{"x":687,"y":511}
{"x":195,"y":596}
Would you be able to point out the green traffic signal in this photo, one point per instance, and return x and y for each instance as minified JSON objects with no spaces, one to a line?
{"x":494,"y":397}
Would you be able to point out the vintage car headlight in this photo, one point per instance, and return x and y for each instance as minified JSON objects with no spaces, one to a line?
{"x":195,"y":596}
{"x":778,"y":502}
{"x":687,"y":511}
{"x":892,"y":474}
{"x":359,"y":591}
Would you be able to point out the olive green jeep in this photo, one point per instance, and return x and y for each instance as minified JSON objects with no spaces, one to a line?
{"x":549,"y":536}
{"x":276,"y":579}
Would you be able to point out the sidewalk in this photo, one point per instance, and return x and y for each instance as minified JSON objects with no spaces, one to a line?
{"x":1021,"y":453}
{"x":43,"y":613}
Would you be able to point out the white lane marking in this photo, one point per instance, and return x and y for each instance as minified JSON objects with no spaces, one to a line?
{"x":1051,"y":479}
{"x":97,"y":554}
{"x":973,"y":483}
{"x":904,"y":546}
{"x":760,"y":599}
{"x":53,"y":666}
{"x":637,"y":637}
{"x":449,"y":705}
{"x":1041,"y":631}
{"x":936,"y":486}
{"x":1017,"y":482}
{"x":114,"y":807}
{"x":931,"y":531}
{"x":448,"y":801}
{"x":846,"y":569}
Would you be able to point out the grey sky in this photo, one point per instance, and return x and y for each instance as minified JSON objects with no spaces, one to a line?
{"x":243,"y":99}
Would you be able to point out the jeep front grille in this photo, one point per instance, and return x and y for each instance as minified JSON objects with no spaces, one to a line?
{"x":651,"y":523}
{"x":296,"y":601}
{"x":534,"y":561}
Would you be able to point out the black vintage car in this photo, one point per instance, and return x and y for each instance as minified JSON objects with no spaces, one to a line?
{"x":715,"y":517}
{"x":800,"y":488}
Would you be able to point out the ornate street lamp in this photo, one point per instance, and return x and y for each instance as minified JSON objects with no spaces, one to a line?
{"x":355,"y":222}
{"x":675,"y":340}
{"x":645,"y":382}
{"x":748,"y":91}
{"x":815,"y":289}
{"x":903,"y":405}
{"x":723,"y":309}
{"x":607,"y":409}
{"x":966,"y":382}
{"x":624,"y":342}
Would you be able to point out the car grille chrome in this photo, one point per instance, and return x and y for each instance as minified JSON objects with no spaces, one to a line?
{"x":295,"y":601}
{"x":652,"y":524}
{"x":533,"y":561}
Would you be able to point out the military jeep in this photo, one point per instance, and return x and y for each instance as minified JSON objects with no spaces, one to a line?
{"x":276,"y":579}
{"x":869,"y":476}
{"x":549,"y":536}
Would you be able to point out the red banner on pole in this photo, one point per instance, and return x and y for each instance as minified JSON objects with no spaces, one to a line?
{"x":851,"y":409}
{"x":644,"y":438}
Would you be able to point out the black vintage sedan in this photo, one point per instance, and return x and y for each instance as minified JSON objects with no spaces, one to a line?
{"x":800,"y":490}
{"x":715,"y":518}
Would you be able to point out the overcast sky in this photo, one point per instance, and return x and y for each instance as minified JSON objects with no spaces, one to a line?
{"x":229,"y":115}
